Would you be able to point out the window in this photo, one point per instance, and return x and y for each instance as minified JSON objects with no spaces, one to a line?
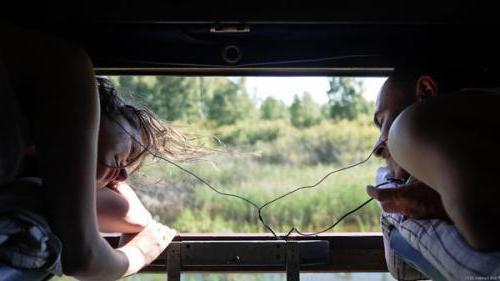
{"x":259,"y":138}
{"x":145,"y":37}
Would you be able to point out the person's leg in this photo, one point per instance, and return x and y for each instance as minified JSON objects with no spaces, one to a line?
{"x":55,"y":84}
{"x":9,"y":273}
{"x":11,"y":141}
{"x":452,"y":144}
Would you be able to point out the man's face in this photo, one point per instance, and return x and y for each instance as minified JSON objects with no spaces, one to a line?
{"x":391,"y":101}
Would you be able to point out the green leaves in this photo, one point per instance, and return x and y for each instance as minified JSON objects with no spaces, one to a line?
{"x":221,"y":101}
{"x":345,"y":98}
{"x":273,"y":109}
{"x":305,"y":112}
{"x":230,"y":104}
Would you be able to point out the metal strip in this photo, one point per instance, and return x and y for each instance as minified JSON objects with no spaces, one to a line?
{"x":233,"y":253}
{"x":331,"y":252}
{"x":292,"y":261}
{"x":237,"y":254}
{"x":174,"y":262}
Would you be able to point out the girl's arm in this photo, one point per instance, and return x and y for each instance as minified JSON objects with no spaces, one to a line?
{"x":119,"y":210}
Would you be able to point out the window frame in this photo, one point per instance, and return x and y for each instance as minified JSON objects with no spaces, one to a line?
{"x":348,"y":251}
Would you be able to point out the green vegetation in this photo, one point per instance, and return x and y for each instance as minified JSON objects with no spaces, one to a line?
{"x":305,"y":112}
{"x":273,"y":109}
{"x":261,"y":152}
{"x":345,"y":100}
{"x":271,"y":159}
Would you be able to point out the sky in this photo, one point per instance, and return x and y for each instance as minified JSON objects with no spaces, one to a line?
{"x":284,"y":88}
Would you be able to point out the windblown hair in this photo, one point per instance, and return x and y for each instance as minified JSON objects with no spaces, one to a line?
{"x":157,"y":137}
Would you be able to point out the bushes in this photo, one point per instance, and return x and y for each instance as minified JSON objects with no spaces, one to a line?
{"x":249,"y":133}
{"x":283,"y":157}
{"x":308,"y":209}
{"x":278,"y":142}
{"x":327,"y":143}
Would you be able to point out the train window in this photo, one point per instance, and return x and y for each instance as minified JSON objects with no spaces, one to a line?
{"x":259,"y":138}
{"x":271,"y":97}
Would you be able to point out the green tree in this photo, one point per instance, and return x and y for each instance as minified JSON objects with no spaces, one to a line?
{"x":345,"y":98}
{"x":206,"y":88}
{"x":173,"y":97}
{"x":176,"y":98}
{"x":304,"y":112}
{"x":231,"y":103}
{"x":272,"y":109}
{"x":170,"y":97}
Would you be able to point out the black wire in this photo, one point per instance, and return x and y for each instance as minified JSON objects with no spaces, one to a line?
{"x":259,"y":209}
{"x":294,"y":229}
{"x":205,"y":182}
{"x":310,"y":186}
{"x":184,"y":169}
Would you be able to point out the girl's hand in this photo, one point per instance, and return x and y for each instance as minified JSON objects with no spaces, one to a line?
{"x":147,"y":245}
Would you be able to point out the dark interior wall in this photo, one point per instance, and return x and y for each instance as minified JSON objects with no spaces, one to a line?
{"x":360,"y":11}
{"x":286,"y":34}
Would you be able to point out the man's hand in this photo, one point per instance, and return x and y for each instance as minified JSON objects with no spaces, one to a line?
{"x":414,"y":200}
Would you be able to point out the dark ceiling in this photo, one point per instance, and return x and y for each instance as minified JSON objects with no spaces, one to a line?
{"x":253,"y":36}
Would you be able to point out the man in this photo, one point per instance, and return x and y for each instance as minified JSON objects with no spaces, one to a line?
{"x":440,"y":138}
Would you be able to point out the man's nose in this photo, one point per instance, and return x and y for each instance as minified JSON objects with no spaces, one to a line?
{"x":380,"y":149}
{"x":122,"y":175}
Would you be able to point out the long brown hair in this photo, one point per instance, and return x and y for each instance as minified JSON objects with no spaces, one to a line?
{"x":157,"y":137}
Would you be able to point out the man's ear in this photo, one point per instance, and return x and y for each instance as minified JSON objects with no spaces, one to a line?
{"x":426,"y":87}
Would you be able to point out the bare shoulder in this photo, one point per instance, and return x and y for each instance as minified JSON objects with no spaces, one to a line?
{"x":464,"y":111}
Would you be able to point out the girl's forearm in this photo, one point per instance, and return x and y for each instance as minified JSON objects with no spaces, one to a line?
{"x":117,"y":214}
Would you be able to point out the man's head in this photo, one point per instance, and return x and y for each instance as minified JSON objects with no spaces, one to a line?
{"x":399,"y":92}
{"x":394,"y":97}
{"x":413,"y":82}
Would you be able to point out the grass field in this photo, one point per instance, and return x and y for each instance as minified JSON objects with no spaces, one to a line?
{"x":260,"y":164}
{"x":263,"y":170}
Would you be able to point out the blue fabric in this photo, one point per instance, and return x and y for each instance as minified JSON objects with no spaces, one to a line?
{"x":26,"y":241}
{"x":413,"y":257}
{"x":8,"y":273}
{"x":439,"y":243}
